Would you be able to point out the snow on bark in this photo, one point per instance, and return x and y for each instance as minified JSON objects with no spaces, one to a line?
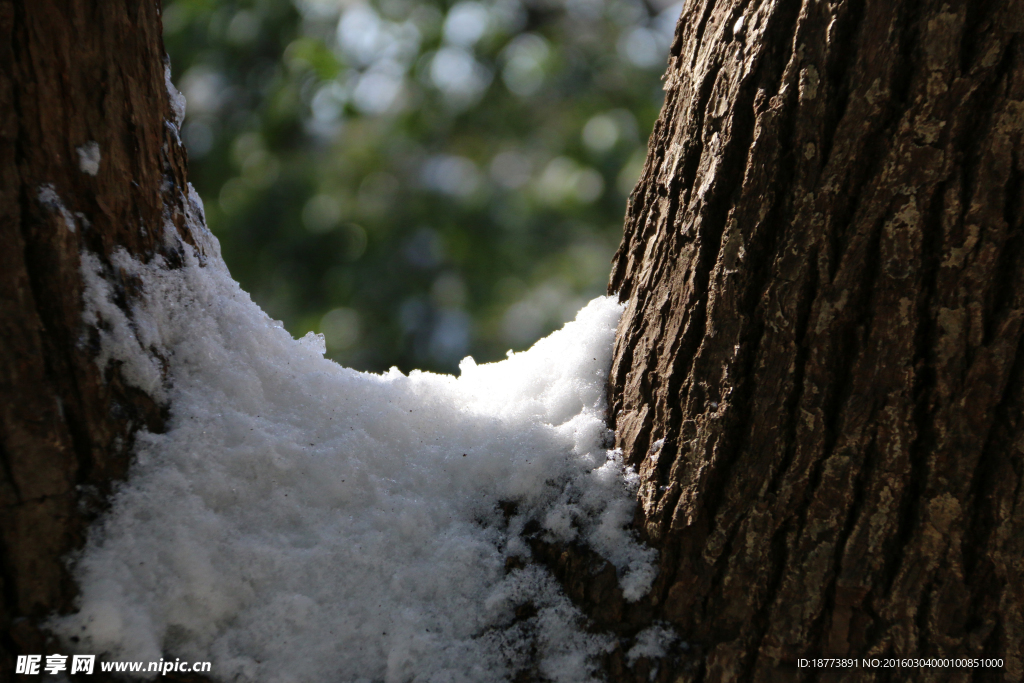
{"x":176,"y":98}
{"x":49,"y":198}
{"x":89,"y":157}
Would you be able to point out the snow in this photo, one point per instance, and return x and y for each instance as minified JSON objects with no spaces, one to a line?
{"x":653,"y":642}
{"x":89,"y":157}
{"x":121,"y":340}
{"x":49,"y":198}
{"x":176,"y":98}
{"x":301,"y":521}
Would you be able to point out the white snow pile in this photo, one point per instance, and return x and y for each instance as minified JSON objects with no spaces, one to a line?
{"x":301,"y":521}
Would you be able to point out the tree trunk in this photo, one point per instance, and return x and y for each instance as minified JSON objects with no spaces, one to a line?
{"x":818,"y":373}
{"x":89,"y":160}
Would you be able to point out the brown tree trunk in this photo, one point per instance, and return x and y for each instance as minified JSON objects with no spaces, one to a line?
{"x":77,"y":77}
{"x":818,"y":375}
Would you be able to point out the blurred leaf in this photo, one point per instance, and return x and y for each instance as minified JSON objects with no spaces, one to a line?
{"x":418,"y":179}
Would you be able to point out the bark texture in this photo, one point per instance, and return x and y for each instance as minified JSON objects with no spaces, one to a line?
{"x":819,"y":374}
{"x":72,"y":73}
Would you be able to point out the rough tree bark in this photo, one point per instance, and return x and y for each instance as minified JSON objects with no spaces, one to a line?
{"x":72,"y":73}
{"x":818,"y":375}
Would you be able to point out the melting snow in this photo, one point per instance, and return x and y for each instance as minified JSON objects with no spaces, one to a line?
{"x":301,"y":521}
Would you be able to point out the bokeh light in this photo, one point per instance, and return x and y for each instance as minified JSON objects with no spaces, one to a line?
{"x":418,"y":180}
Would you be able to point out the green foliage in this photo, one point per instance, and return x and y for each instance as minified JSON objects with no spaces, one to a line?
{"x":418,"y":179}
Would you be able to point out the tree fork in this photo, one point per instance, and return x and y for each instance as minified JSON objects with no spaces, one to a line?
{"x":817,"y":374}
